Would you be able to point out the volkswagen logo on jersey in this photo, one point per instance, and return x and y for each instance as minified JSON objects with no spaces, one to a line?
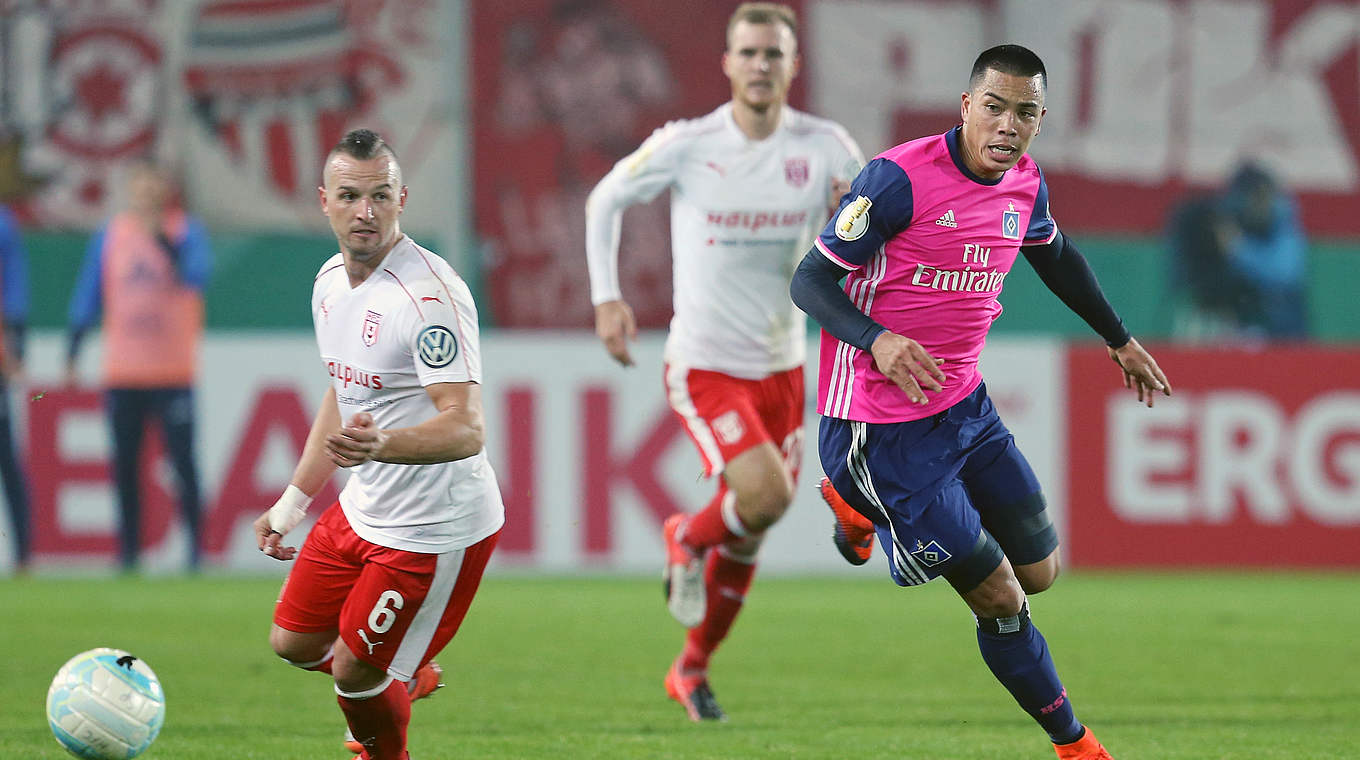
{"x":437,"y":346}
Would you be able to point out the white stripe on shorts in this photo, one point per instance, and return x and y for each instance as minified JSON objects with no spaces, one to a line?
{"x":426,"y":621}
{"x":677,"y":392}
{"x":856,"y":462}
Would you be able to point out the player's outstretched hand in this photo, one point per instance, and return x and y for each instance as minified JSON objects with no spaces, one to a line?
{"x":1140,"y":371}
{"x":356,"y":443}
{"x":615,"y":325}
{"x":271,"y":541}
{"x":903,"y":361}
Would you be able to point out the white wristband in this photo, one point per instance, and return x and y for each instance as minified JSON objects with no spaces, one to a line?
{"x":289,"y":510}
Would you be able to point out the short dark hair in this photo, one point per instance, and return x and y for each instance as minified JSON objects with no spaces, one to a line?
{"x":763,"y":13}
{"x":363,"y":144}
{"x":1015,"y":60}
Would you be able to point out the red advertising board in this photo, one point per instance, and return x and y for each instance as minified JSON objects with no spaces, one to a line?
{"x":1254,"y":461}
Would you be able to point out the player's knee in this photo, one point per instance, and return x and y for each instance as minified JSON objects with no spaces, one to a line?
{"x":353,"y":675}
{"x":1039,"y":576}
{"x":299,"y":650}
{"x":764,"y":506}
{"x":295,"y":650}
{"x":999,"y":596}
{"x":998,"y":602}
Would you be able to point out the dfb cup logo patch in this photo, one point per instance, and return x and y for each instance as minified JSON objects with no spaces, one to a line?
{"x":853,"y":220}
{"x":437,"y":346}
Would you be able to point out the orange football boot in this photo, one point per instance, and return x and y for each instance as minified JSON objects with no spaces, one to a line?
{"x":854,"y":533}
{"x":694,"y":694}
{"x":1086,"y":748}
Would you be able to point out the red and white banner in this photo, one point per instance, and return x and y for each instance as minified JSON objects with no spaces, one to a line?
{"x":589,"y":457}
{"x":242,"y":98}
{"x":1255,"y":461}
{"x":1148,"y":100}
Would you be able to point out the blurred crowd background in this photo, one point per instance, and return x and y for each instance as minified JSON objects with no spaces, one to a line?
{"x":1203,"y":154}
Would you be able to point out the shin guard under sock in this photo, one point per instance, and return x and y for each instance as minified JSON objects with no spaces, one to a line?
{"x":1018,"y":656}
{"x":726,"y":579}
{"x":378,"y":719}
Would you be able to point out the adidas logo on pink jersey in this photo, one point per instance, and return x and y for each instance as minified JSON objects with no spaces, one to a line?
{"x":947,"y":220}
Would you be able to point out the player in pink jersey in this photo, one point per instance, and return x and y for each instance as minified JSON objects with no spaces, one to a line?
{"x":750,"y":183}
{"x":924,"y":241}
{"x":388,"y":572}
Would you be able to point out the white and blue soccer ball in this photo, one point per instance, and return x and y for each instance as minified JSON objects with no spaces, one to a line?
{"x":105,"y":704}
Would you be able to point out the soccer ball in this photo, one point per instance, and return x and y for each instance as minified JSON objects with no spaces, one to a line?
{"x":105,"y":704}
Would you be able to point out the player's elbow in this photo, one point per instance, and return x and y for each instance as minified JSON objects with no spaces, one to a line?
{"x":800,"y":287}
{"x":467,"y":440}
{"x":472,"y":443}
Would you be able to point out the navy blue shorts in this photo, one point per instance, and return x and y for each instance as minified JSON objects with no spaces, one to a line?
{"x":949,"y":494}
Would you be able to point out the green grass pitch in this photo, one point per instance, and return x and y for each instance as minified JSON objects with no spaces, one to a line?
{"x":1199,"y":666}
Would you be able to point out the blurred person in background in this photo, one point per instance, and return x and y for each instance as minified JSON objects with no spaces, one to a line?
{"x":387,"y":574}
{"x":1239,"y":265}
{"x":909,"y":437}
{"x":14,"y":308}
{"x":751,"y":183}
{"x":144,"y":273}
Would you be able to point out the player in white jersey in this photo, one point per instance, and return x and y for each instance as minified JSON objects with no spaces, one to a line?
{"x":386,"y":575}
{"x":751,"y":183}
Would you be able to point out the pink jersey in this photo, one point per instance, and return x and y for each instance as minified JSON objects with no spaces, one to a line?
{"x":928,"y":246}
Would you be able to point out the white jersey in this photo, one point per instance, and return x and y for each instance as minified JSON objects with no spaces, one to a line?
{"x":743,"y":214}
{"x":411,"y":324}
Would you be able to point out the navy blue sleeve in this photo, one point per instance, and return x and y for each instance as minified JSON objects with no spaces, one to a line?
{"x":877,"y":207}
{"x":1042,"y":228}
{"x":815,"y":290}
{"x":1065,"y":271}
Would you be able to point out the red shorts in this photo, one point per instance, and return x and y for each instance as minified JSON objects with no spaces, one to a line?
{"x":727,"y":415}
{"x":394,"y":609}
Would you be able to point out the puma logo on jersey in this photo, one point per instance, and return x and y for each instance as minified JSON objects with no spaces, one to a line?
{"x":423,"y":299}
{"x":370,"y":644}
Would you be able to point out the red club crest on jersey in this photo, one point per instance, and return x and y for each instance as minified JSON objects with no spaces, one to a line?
{"x":371,"y":321}
{"x":796,"y":171}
